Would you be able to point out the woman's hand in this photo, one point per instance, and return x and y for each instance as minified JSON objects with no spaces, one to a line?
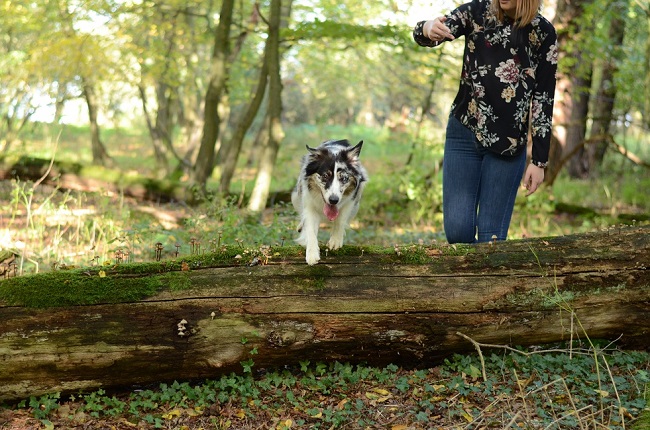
{"x":436,"y":30}
{"x":533,"y":178}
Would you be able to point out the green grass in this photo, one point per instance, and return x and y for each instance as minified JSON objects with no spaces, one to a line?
{"x":402,"y":205}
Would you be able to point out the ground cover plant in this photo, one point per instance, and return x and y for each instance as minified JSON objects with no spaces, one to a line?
{"x":564,"y":387}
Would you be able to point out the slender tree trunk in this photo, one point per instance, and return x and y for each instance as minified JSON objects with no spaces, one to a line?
{"x":14,"y":124}
{"x":100,"y":156}
{"x":577,"y":127}
{"x":262,"y":186}
{"x":232,"y":151}
{"x":158,"y":148}
{"x":190,"y":117}
{"x":229,"y":152}
{"x":216,"y":87}
{"x":259,"y":143}
{"x":606,"y":95}
{"x":426,"y":106}
{"x":567,"y":90}
{"x":646,"y":109}
{"x":61,"y":98}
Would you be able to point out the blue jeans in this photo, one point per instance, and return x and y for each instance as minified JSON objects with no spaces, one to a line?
{"x":479,"y":187}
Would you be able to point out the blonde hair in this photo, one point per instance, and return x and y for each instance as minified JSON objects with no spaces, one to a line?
{"x":525,"y":11}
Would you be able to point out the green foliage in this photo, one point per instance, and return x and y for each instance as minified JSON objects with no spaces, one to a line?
{"x":318,"y":30}
{"x":536,"y":388}
{"x":43,"y":406}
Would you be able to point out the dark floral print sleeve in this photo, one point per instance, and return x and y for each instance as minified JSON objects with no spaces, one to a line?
{"x":507,"y":81}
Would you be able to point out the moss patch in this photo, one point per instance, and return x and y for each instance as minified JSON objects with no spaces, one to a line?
{"x":77,"y":287}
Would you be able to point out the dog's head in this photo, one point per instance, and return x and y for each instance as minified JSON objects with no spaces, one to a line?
{"x":334,"y":170}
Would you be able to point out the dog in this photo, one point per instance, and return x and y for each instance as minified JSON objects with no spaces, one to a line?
{"x":329,"y":188}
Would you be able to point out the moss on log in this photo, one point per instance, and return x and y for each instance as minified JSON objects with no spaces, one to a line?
{"x":202,"y":316}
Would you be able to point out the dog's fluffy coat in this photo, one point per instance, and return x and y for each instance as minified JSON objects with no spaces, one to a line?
{"x":329,"y":187}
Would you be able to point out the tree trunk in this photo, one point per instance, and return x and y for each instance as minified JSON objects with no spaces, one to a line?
{"x":162,"y":162}
{"x":232,"y":151}
{"x":228,"y":154}
{"x":216,"y":87}
{"x":426,"y":105}
{"x":182,"y":319}
{"x":100,"y":156}
{"x":606,"y":95}
{"x":646,"y":107}
{"x":260,"y":193}
{"x":577,"y":128}
{"x":566,"y":115}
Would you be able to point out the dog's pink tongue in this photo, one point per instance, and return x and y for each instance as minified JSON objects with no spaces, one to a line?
{"x":331,"y":212}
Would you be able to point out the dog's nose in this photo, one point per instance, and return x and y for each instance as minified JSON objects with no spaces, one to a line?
{"x":334,"y":200}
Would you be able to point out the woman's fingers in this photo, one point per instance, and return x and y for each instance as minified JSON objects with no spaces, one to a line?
{"x":437,"y":31}
{"x":533,"y":179}
{"x":442,"y":31}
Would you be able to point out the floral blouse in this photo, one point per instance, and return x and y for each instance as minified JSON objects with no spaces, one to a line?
{"x":504,"y":71}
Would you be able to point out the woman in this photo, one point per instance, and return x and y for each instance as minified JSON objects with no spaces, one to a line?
{"x":507,"y":83}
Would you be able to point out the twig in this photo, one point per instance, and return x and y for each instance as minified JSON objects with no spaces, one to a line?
{"x":575,"y":412}
{"x":512,"y":421}
{"x":629,"y":155}
{"x":618,"y":397}
{"x":575,"y":408}
{"x":509,"y":348}
{"x":521,"y":387}
{"x":480,"y":354}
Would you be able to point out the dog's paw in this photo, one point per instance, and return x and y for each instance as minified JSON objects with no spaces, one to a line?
{"x":335,"y":243}
{"x":313,"y":256}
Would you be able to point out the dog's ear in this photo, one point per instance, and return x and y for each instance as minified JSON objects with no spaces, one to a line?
{"x":312,"y":150}
{"x":355,"y":152}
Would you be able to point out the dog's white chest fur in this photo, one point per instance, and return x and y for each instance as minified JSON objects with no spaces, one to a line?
{"x":329,"y":188}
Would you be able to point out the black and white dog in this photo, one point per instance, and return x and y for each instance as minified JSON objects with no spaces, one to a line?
{"x":329,"y":188}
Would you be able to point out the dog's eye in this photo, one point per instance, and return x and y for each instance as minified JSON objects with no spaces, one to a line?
{"x":326,"y":176}
{"x":344,"y":178}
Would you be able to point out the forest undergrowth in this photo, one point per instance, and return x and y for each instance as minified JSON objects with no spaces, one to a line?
{"x":586,"y":385}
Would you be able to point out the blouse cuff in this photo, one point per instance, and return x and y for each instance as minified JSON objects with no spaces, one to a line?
{"x":420,"y":38}
{"x":540,"y":164}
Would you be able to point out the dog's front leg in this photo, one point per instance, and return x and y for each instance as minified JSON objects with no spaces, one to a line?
{"x":338,"y":233}
{"x":310,"y":239}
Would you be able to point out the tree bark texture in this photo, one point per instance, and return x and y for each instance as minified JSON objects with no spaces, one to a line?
{"x":100,"y":156}
{"x":570,"y":94}
{"x":261,"y":189}
{"x":218,"y":80}
{"x":362,"y":305}
{"x":606,"y":95}
{"x":232,"y":151}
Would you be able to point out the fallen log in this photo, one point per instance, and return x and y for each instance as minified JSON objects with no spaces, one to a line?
{"x":96,"y":179}
{"x":91,"y":178}
{"x":204,"y":316}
